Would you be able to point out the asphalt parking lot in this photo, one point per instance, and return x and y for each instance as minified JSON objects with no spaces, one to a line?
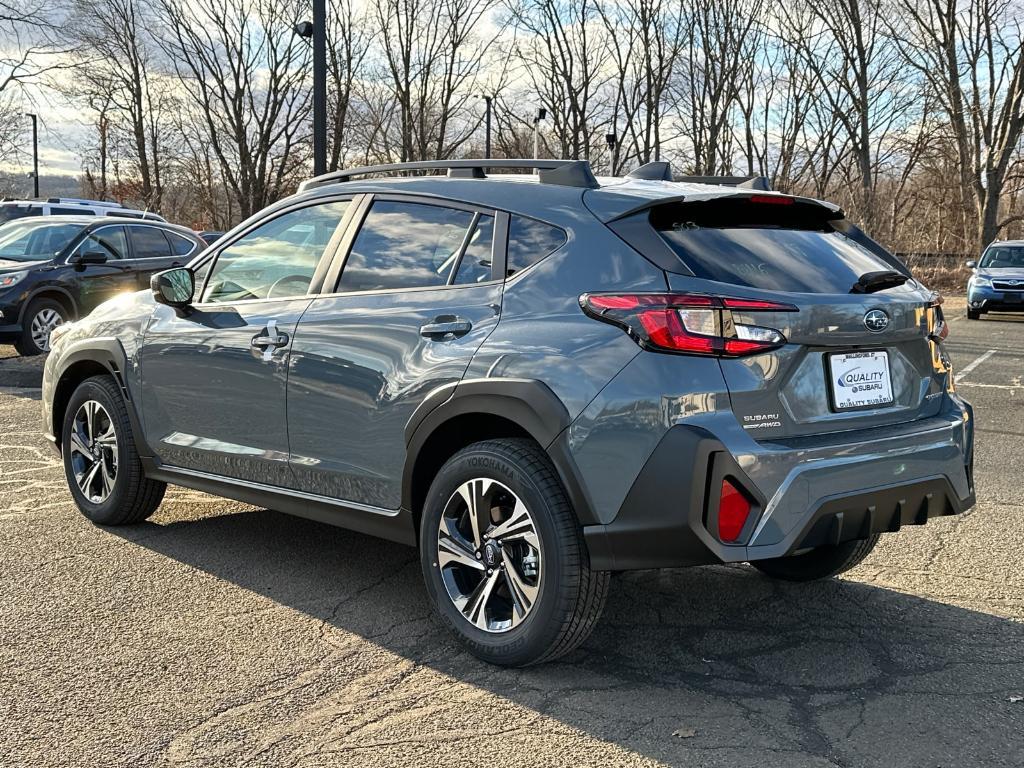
{"x":221,"y":635}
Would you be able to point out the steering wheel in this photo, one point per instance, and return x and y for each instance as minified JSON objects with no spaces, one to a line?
{"x":301,"y":280}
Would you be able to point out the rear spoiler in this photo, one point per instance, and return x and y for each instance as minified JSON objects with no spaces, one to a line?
{"x":659,"y":170}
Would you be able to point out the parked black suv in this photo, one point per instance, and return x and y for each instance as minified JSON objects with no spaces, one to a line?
{"x":58,"y":268}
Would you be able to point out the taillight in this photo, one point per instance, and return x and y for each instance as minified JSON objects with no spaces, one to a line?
{"x":938,"y":330}
{"x":688,"y":323}
{"x":733,"y":511}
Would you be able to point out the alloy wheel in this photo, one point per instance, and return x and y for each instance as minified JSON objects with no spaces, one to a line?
{"x":94,"y":451}
{"x":43,"y":324}
{"x":488,"y":552}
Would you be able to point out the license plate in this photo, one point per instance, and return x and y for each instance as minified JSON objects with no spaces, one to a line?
{"x":860,"y":379}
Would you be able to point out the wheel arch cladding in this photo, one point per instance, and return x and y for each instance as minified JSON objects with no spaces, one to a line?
{"x":94,"y":357}
{"x":457,"y":415}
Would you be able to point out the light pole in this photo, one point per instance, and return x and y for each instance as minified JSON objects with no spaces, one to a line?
{"x":35,"y":154}
{"x":613,"y":145}
{"x":487,"y":126}
{"x":541,"y":114}
{"x":317,"y":30}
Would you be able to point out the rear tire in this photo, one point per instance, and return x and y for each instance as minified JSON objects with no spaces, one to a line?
{"x":543,"y":600}
{"x":101,"y":465}
{"x":41,"y":317}
{"x":820,"y":563}
{"x":973,"y":314}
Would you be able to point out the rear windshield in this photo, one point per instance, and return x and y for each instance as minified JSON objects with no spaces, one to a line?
{"x":758,"y":245}
{"x":13,"y":211}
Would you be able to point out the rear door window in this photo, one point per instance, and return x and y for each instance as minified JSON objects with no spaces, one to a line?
{"x":783,"y":247}
{"x":149,"y":243}
{"x":405,"y":245}
{"x":529,"y":241}
{"x":475,"y":266}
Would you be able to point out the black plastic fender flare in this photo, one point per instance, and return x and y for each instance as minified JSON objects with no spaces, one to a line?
{"x":529,"y":403}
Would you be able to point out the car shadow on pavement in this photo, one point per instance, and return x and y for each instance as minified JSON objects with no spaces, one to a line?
{"x":685,"y":665}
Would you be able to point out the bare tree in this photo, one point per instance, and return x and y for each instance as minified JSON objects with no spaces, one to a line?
{"x":562,"y":53}
{"x":645,"y":40}
{"x":246,"y":78}
{"x":347,"y":46}
{"x":32,"y":49}
{"x":709,"y":74}
{"x":970,"y":53}
{"x":118,"y":75}
{"x":432,"y":58}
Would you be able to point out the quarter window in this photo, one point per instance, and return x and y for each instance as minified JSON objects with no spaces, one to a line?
{"x":149,"y":243}
{"x":529,"y":241}
{"x":180,"y":246}
{"x":405,"y":245}
{"x":277,"y":259}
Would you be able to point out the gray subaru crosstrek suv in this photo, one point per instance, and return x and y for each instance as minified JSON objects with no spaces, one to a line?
{"x":536,"y":379}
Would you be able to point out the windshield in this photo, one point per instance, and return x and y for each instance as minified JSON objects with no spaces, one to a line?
{"x":35,"y":240}
{"x":1003,"y":257}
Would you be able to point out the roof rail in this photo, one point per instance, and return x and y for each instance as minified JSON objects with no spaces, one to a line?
{"x":82,"y":201}
{"x":569,"y":173}
{"x":760,"y":183}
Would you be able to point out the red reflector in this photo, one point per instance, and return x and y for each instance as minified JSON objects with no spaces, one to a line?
{"x":733,"y":511}
{"x":744,"y":347}
{"x":771,"y":200}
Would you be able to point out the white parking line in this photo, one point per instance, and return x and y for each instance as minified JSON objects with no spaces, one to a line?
{"x":974,"y":364}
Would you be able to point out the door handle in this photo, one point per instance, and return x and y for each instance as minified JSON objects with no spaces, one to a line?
{"x":269,"y":339}
{"x":262,"y":341}
{"x":446,"y":326}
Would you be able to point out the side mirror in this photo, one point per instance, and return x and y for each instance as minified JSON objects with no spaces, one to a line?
{"x":80,"y":260}
{"x":972,"y":264}
{"x":173,"y":287}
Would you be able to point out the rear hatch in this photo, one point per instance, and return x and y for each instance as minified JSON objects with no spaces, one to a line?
{"x":859,"y":340}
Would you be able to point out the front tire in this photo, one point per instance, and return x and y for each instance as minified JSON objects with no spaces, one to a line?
{"x":819,"y":563}
{"x":973,"y":314}
{"x":503,"y":556}
{"x":41,"y":317}
{"x":101,"y":465}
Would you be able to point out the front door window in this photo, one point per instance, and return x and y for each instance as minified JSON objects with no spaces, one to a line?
{"x":277,"y":259}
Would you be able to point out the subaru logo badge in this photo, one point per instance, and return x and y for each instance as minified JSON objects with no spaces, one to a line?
{"x":876,"y":321}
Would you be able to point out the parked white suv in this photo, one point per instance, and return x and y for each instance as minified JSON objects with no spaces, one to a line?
{"x":67,"y":206}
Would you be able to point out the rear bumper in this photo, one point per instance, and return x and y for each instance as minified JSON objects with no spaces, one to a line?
{"x":810,"y":492}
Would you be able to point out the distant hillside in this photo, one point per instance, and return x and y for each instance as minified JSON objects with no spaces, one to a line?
{"x":20,"y":186}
